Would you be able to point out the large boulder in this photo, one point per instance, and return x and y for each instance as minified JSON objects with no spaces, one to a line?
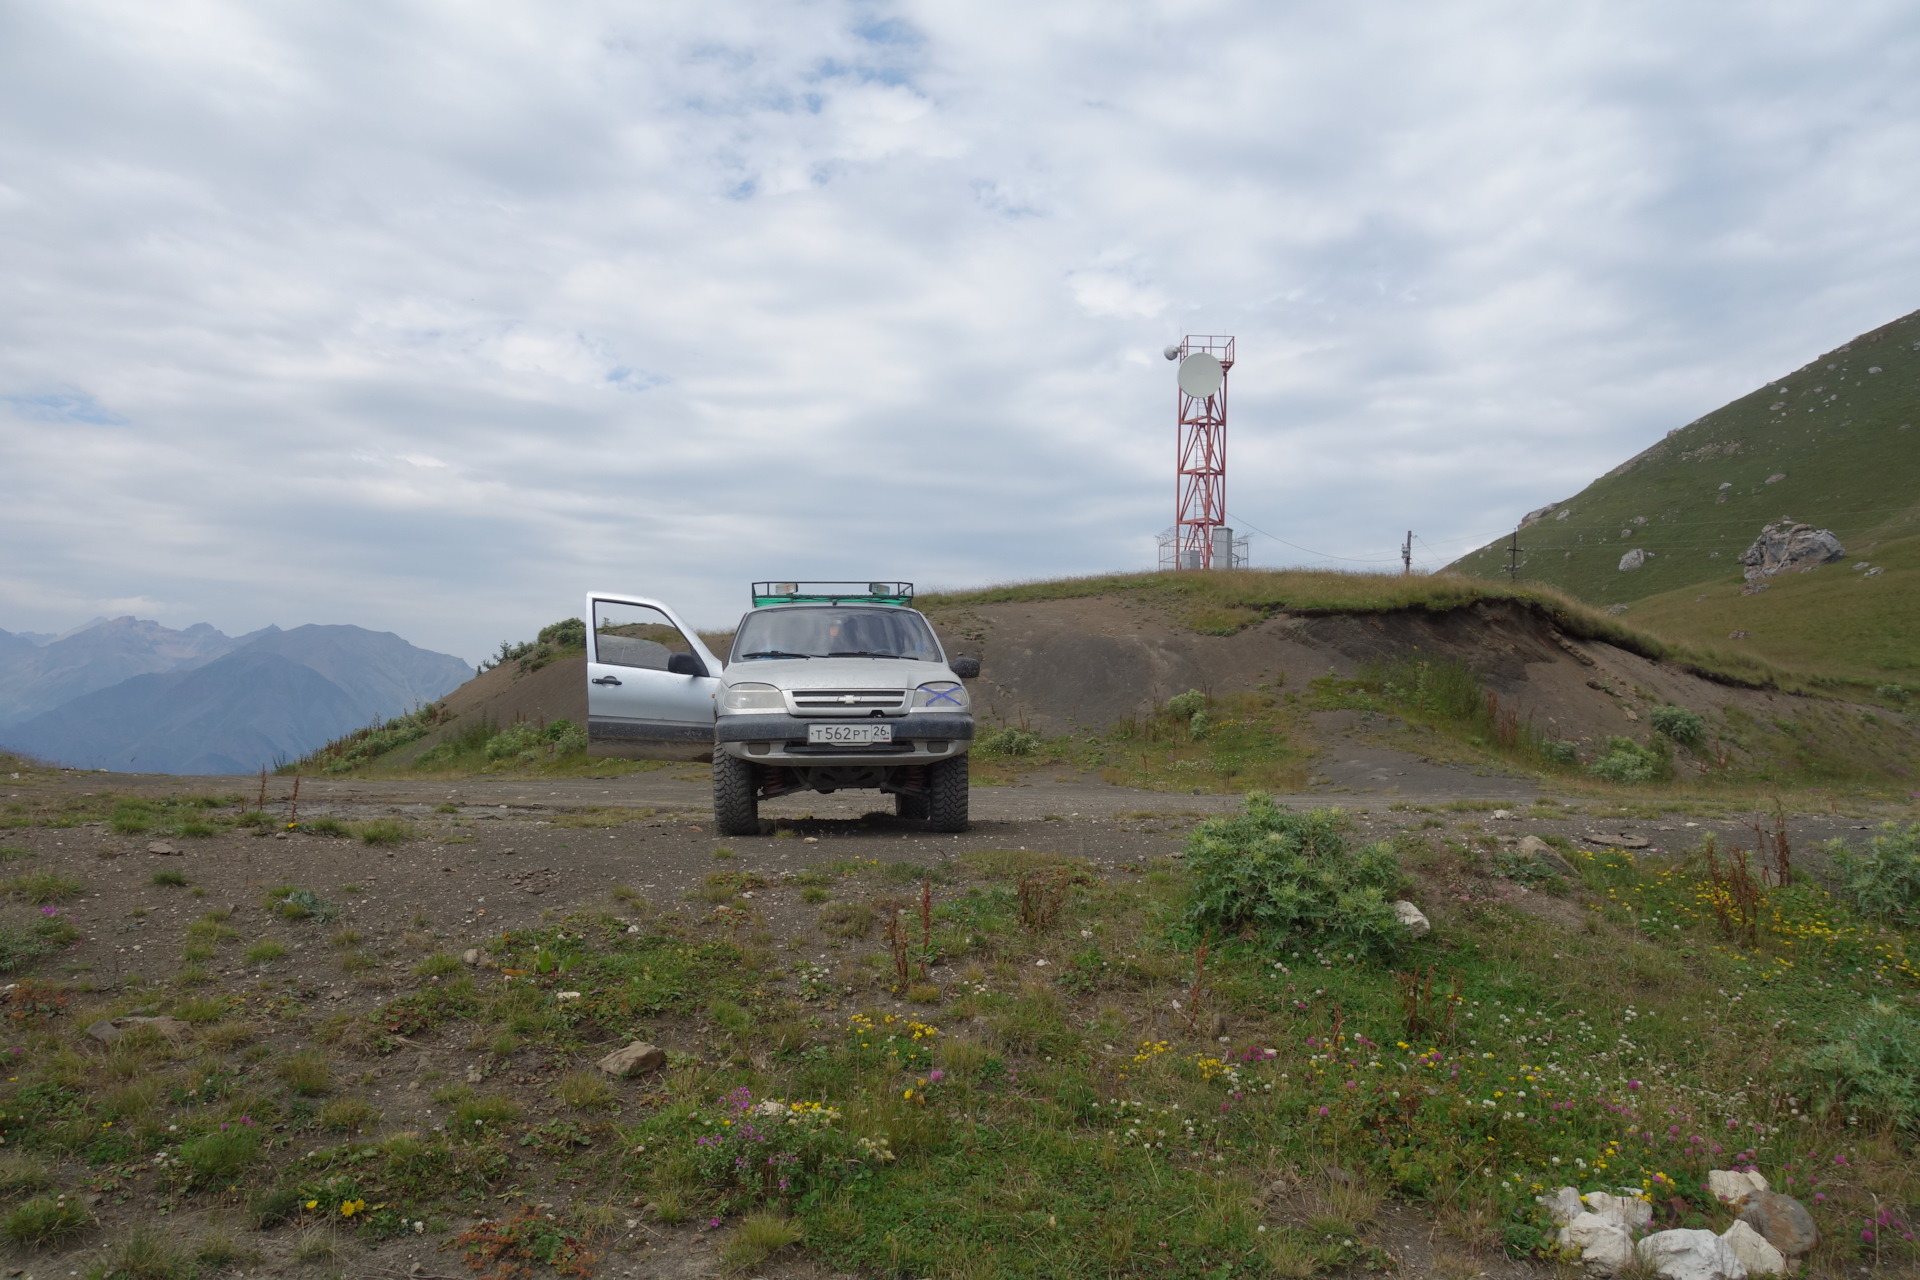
{"x":635,"y":1059}
{"x":1548,"y":856}
{"x":1755,"y":1252}
{"x":1631,"y":1212}
{"x":1783,"y":1220}
{"x":1785,"y":545}
{"x":1634,"y":559}
{"x":1605,"y":1246}
{"x":1691,"y":1255}
{"x":1411,"y":916}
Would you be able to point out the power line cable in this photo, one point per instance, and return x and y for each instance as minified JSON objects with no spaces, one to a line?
{"x":1324,"y":555}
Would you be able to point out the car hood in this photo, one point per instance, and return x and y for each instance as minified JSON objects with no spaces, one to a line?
{"x":836,"y":673}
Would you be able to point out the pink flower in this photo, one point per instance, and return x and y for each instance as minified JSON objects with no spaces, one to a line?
{"x":936,"y":1075}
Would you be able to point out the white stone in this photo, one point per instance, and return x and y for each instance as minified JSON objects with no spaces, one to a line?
{"x":566,"y":995}
{"x":1630,"y":1212}
{"x":1634,"y":559}
{"x":1683,"y":1254}
{"x":1411,"y":916}
{"x":1563,"y":1205}
{"x":1605,"y":1246}
{"x":1755,"y":1251}
{"x":1502,"y":815}
{"x":1731,"y":1187}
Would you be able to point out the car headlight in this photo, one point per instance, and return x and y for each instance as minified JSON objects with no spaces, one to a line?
{"x":752,"y":697}
{"x":941,"y":695}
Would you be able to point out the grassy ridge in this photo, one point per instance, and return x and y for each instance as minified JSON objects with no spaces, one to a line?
{"x":1842,"y":433}
{"x":1222,"y":602}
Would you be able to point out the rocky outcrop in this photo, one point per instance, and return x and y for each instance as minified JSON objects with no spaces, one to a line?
{"x":1683,"y":1254}
{"x":1783,"y":1220}
{"x":1784,"y":545}
{"x":1606,"y":1232}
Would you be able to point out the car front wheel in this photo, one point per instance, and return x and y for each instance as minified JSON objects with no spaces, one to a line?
{"x":947,"y":795}
{"x":736,"y":809}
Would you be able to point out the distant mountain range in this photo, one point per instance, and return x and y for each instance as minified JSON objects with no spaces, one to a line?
{"x":131,"y":695}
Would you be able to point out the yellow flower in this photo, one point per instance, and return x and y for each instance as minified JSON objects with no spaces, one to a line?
{"x":313,"y":1204}
{"x":907,"y":1094}
{"x":350,"y":1207}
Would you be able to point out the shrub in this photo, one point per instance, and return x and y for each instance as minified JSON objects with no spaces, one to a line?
{"x":568,"y":633}
{"x":220,"y":1155}
{"x":1883,"y":880}
{"x":1872,"y":1068}
{"x":1560,"y":751}
{"x":1679,"y":724}
{"x":1283,"y":872}
{"x":295,"y":903}
{"x":1628,"y":761}
{"x":43,"y":1221}
{"x":1007,"y":741}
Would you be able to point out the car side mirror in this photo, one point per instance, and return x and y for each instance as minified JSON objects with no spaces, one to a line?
{"x":685,"y":664}
{"x":965,"y":668}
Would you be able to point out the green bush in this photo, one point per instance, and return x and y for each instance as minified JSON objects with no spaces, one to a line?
{"x":295,"y":903}
{"x":1286,"y":872}
{"x":1679,"y":724}
{"x":568,"y":633}
{"x":1186,"y":705}
{"x":1882,"y":881}
{"x":530,"y":742}
{"x":1628,"y":761}
{"x":1560,"y":751}
{"x":1872,"y":1068}
{"x":1007,"y":741}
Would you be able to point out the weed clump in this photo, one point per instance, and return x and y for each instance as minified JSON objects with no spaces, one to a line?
{"x":220,"y":1155}
{"x":1871,"y":1068}
{"x":44,"y":887}
{"x":45,"y":1220}
{"x":292,"y":902}
{"x":21,"y":945}
{"x":1680,"y":724}
{"x":385,"y":831}
{"x":1882,"y":881}
{"x":1007,"y":741}
{"x":1629,"y":761}
{"x":1281,"y":872}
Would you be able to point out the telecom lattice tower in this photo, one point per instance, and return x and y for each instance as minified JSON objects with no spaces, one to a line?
{"x":1201,"y":538}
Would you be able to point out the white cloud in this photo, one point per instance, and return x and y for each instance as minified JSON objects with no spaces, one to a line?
{"x":429,"y":317}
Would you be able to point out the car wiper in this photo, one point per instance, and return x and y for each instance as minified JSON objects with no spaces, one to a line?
{"x":861,"y":653}
{"x":774,"y":653}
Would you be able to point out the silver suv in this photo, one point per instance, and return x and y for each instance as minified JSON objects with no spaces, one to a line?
{"x":829,"y":686}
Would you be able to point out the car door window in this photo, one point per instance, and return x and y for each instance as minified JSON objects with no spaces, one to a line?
{"x":634,"y":635}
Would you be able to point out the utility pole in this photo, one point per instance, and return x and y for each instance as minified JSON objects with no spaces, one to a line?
{"x":1406,"y":556}
{"x":1513,"y":558}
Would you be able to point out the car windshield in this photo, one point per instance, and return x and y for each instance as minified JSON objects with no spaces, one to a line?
{"x":834,"y":631}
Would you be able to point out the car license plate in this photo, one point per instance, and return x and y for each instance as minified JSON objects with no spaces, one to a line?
{"x":849,"y":735}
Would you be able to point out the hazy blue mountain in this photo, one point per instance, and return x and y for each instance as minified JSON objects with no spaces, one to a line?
{"x":38,"y":677}
{"x":275,"y":698}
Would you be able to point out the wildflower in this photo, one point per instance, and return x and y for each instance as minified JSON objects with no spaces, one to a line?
{"x":313,"y":1204}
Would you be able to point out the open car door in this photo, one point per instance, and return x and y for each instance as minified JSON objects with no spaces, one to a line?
{"x":650,"y":682}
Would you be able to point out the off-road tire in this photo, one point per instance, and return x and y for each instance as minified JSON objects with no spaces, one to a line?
{"x":736,"y":809}
{"x":911,"y":807}
{"x":947,"y":795}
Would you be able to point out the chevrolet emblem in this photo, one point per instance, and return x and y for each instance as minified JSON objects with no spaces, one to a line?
{"x":848,"y":698}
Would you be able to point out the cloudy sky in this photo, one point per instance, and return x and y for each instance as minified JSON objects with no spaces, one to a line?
{"x":430,"y":317}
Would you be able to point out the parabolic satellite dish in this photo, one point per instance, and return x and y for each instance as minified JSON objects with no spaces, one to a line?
{"x":1201,"y":375}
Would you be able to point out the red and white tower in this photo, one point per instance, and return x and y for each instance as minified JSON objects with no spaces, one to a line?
{"x":1201,"y":538}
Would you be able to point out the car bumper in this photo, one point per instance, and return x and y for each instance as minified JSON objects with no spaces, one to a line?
{"x":781,"y":739}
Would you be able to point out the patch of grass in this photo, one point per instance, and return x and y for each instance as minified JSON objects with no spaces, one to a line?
{"x":846,"y":919}
{"x":473,"y":1115}
{"x":265,"y":950}
{"x":43,"y":888}
{"x":385,"y":831}
{"x":46,"y":1220}
{"x":586,"y":1091}
{"x":21,"y":945}
{"x":221,"y":1155}
{"x":813,"y":894}
{"x":200,"y":1010}
{"x":327,"y":827}
{"x":22,"y":1173}
{"x":147,"y":1255}
{"x":13,"y":853}
{"x":174,"y":878}
{"x":345,"y":939}
{"x":270,"y":1208}
{"x":292,"y":902}
{"x":446,"y":808}
{"x":437,"y":965}
{"x":306,"y":1074}
{"x":349,"y":1115}
{"x":758,"y":1237}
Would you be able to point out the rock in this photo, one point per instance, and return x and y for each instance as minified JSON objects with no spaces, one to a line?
{"x":1691,"y":1255}
{"x":474,"y":1075}
{"x":1630,"y":1211}
{"x":1783,"y":1220}
{"x":565,"y":997}
{"x":1615,"y":610}
{"x":1605,"y":1246}
{"x":1563,"y":1205}
{"x":1734,"y":1188}
{"x":770,"y":1108}
{"x":1620,"y":840}
{"x":1411,"y":916}
{"x":1501,"y":815}
{"x":470,"y":956}
{"x":1218,"y":1026}
{"x":1755,"y":1252}
{"x":1736,"y":635}
{"x":108,"y":1030}
{"x":1547,"y":856}
{"x":636,"y":1059}
{"x":1776,"y":477}
{"x":1785,"y":545}
{"x":164,"y":849}
{"x":1634,"y":559}
{"x":1537,"y":514}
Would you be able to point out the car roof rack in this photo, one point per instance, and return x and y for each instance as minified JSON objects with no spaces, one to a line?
{"x":766,"y":593}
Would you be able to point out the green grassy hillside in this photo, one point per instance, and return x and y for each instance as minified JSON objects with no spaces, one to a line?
{"x":1835,"y":444}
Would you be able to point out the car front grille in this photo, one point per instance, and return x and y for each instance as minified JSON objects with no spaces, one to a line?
{"x":847,"y":702}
